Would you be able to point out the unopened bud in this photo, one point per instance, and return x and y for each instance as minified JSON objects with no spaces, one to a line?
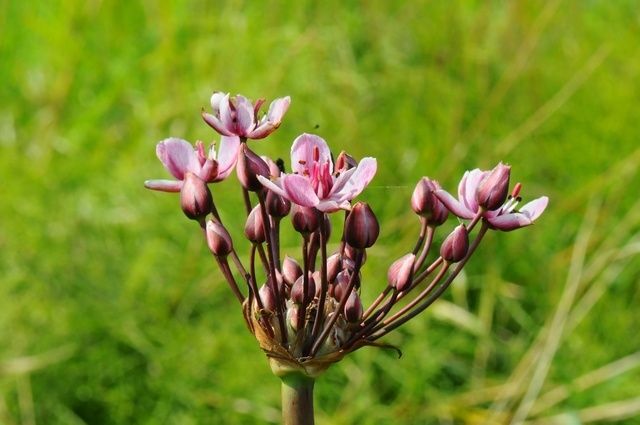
{"x":334,"y":265}
{"x":494,"y":188}
{"x":276,"y":205}
{"x":345,"y":162}
{"x":350,"y":254}
{"x":353,"y":308}
{"x":267,"y":298}
{"x":218,"y":239}
{"x":292,"y":316}
{"x":274,"y":170}
{"x":291,"y":270}
{"x":254,"y":226}
{"x":297,"y":290}
{"x":400,"y":274}
{"x":361,"y":226}
{"x":250,"y":166}
{"x":341,"y":284}
{"x":455,"y":246}
{"x":195,"y":197}
{"x":305,"y":219}
{"x":426,"y":204}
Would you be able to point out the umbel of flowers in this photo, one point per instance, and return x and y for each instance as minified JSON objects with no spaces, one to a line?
{"x":308,"y":314}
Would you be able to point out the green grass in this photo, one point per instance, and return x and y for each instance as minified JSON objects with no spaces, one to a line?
{"x":111,"y":309}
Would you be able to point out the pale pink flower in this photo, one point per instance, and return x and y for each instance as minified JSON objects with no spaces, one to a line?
{"x":313,"y":182}
{"x":180,"y":157}
{"x":504,"y":218}
{"x":237,"y":117}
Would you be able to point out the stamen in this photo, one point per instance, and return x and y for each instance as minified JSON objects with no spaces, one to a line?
{"x":316,"y":153}
{"x":516,"y":190}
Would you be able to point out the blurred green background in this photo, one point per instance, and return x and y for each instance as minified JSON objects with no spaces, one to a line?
{"x":111,"y":309}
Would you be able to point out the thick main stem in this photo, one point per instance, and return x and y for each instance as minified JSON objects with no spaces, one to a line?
{"x":297,"y":400}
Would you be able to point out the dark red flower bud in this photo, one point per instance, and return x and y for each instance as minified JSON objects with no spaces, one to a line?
{"x":353,"y":308}
{"x":305,"y":219}
{"x":250,"y":166}
{"x":276,"y":205}
{"x":218,"y":239}
{"x":291,"y":270}
{"x":195,"y":197}
{"x":400,"y":274}
{"x":426,"y":204}
{"x":297,"y":290}
{"x":345,"y":162}
{"x":455,"y":246}
{"x":254,"y":226}
{"x":361,"y":226}
{"x":494,"y":188}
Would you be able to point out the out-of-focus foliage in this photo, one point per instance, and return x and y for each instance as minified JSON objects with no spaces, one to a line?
{"x":111,"y":309}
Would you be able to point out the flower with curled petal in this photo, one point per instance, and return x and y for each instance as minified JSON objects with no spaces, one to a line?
{"x":179,"y":157}
{"x":504,"y":218}
{"x":237,"y":117}
{"x":313,"y":182}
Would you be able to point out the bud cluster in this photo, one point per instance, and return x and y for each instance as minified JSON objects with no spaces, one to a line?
{"x":308,"y":312}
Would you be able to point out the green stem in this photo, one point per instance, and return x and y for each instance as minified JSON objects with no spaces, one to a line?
{"x":297,"y":400}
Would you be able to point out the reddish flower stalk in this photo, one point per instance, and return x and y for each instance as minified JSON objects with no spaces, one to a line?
{"x":305,"y":315}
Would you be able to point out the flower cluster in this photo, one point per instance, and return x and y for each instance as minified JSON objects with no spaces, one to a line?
{"x":307,"y":314}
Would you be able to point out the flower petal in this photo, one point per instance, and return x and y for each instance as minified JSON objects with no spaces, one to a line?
{"x":226,"y":115}
{"x":227,"y":156}
{"x":467,"y":194}
{"x":275,"y":186}
{"x":178,"y":157}
{"x":164,"y":185}
{"x":302,"y":152}
{"x":298,"y":190}
{"x":215,"y":123}
{"x":329,"y":206}
{"x":535,"y":208}
{"x":341,"y":181}
{"x":453,"y":204}
{"x":244,"y":116}
{"x":216,"y":98}
{"x":277,"y":109}
{"x":507,"y":222}
{"x":360,"y":178}
{"x":262,"y":131}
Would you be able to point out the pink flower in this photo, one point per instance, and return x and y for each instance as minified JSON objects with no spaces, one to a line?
{"x":238,"y":117}
{"x":179,"y":157}
{"x":313,"y":182}
{"x":505,"y":217}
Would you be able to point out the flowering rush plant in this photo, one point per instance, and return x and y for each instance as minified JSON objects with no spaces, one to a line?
{"x":307,"y":313}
